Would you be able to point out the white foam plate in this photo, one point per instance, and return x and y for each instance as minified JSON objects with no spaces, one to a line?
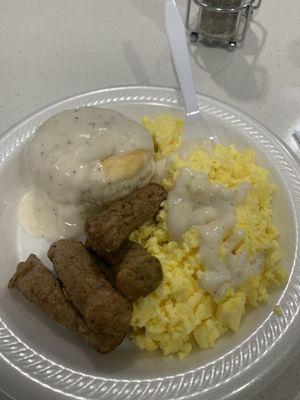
{"x":40,"y":359}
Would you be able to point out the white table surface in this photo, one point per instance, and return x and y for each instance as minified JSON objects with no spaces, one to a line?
{"x":53,"y":49}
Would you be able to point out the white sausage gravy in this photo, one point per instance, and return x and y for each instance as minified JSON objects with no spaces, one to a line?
{"x":78,"y":160}
{"x":211,"y":209}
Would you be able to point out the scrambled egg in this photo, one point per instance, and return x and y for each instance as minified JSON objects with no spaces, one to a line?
{"x":179,"y":314}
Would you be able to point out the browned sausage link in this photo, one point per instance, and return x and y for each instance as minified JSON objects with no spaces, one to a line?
{"x":40,"y":286}
{"x":115,"y":258}
{"x":105,"y":311}
{"x":107,"y":231}
{"x":137,"y":273}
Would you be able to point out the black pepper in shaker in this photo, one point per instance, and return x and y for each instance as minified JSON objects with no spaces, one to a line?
{"x":220,"y":25}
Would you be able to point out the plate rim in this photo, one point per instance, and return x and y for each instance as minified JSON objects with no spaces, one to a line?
{"x":175,"y":93}
{"x":175,"y":89}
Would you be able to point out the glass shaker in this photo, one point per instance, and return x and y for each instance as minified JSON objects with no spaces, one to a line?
{"x":220,"y":22}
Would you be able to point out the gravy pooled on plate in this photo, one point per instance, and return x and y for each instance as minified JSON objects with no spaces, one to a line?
{"x":77,"y":161}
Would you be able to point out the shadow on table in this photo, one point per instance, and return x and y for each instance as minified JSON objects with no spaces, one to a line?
{"x":152,"y":10}
{"x":294,"y":52}
{"x":136,"y":64}
{"x":237,"y":73}
{"x":286,"y":386}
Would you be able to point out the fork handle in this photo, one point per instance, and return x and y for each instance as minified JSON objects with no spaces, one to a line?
{"x":178,"y":44}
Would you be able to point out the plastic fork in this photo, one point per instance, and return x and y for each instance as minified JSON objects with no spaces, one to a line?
{"x":195,"y":125}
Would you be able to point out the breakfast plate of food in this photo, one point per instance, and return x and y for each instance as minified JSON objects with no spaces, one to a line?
{"x":139,"y":262}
